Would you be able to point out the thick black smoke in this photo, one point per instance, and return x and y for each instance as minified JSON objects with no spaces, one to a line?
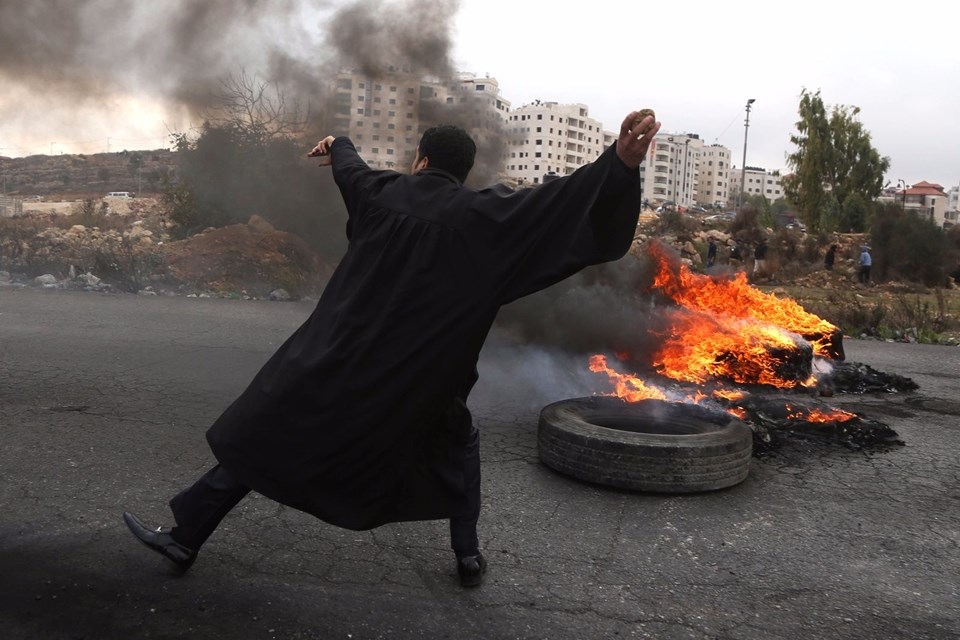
{"x":179,"y":51}
{"x":68,"y":54}
{"x":542,"y":344}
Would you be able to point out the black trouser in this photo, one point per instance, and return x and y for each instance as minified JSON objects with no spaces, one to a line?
{"x":463,"y":527}
{"x":199,"y":508}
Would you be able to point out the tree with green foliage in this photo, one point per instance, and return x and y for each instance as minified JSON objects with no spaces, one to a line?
{"x":911,"y":247}
{"x":834,"y":159}
{"x":854,"y":212}
{"x":763,"y":208}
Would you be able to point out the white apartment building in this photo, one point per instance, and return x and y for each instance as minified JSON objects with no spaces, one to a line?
{"x":385,"y":116}
{"x":756,"y":181}
{"x":670,"y":171}
{"x":951,"y":216}
{"x":380,"y":115}
{"x":548,"y":138}
{"x":713,"y":181}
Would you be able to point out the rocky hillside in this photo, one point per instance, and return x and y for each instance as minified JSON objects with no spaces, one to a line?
{"x":69,"y":177}
{"x":125,"y":245}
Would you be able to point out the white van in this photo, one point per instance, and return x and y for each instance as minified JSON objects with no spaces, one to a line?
{"x":120,"y":194}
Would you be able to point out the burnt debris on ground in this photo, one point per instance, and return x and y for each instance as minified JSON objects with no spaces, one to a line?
{"x":856,"y":377}
{"x":777,"y":419}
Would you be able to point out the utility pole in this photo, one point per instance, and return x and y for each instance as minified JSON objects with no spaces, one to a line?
{"x":743,"y":169}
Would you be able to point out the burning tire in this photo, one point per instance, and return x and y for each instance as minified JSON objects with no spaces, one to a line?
{"x":653,"y":446}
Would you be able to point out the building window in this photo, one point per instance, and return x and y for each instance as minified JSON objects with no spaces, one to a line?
{"x":389,"y":152}
{"x":375,"y":150}
{"x":480,"y":87}
{"x":393,"y":89}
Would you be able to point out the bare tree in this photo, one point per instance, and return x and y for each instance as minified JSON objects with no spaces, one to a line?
{"x":259,"y":111}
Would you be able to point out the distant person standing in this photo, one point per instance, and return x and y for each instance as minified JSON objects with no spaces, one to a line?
{"x":711,"y":252}
{"x":830,"y":257}
{"x":866,"y":262}
{"x":760,"y":257}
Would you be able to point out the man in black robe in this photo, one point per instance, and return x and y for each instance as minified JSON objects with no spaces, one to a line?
{"x":360,"y":418}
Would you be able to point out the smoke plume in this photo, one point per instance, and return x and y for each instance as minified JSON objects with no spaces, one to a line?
{"x":68,"y":56}
{"x":61,"y":60}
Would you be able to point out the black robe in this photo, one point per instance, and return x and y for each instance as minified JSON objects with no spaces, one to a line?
{"x":360,"y":417}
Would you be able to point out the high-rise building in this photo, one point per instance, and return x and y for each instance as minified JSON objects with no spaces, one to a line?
{"x":713,"y":180}
{"x":545,"y":139}
{"x":670,"y":171}
{"x":385,"y":116}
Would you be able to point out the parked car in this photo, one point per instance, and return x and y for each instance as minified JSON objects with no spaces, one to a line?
{"x":727,"y":216}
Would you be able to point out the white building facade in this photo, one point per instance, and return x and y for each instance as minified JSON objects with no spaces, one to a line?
{"x":713,"y":180}
{"x":548,"y":138}
{"x":671,"y":169}
{"x":385,"y":116}
{"x":756,"y":181}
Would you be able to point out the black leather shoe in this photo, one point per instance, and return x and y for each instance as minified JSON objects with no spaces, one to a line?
{"x":471,"y":570}
{"x":162,"y":542}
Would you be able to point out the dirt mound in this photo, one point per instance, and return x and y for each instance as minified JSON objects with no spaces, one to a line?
{"x":246,"y":259}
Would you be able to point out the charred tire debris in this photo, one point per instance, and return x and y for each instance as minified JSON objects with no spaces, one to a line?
{"x":653,"y":446}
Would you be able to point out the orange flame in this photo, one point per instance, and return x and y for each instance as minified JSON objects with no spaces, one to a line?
{"x":736,"y":298}
{"x":700,"y":347}
{"x":819,"y":415}
{"x":630,"y":388}
{"x":731,"y":395}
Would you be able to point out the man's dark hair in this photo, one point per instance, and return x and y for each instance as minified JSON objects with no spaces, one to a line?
{"x":449,"y":149}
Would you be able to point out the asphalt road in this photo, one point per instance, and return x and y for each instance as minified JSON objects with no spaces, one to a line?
{"x":104,"y":401}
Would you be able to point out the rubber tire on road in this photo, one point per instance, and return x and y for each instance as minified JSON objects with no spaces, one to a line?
{"x":653,"y":446}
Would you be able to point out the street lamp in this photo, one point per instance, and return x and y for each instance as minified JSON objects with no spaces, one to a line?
{"x":743,"y":169}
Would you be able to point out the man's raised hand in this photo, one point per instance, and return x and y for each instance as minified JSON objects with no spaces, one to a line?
{"x":636,"y":133}
{"x":322,"y":150}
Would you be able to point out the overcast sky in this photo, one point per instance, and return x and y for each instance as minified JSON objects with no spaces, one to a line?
{"x":695,"y":62}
